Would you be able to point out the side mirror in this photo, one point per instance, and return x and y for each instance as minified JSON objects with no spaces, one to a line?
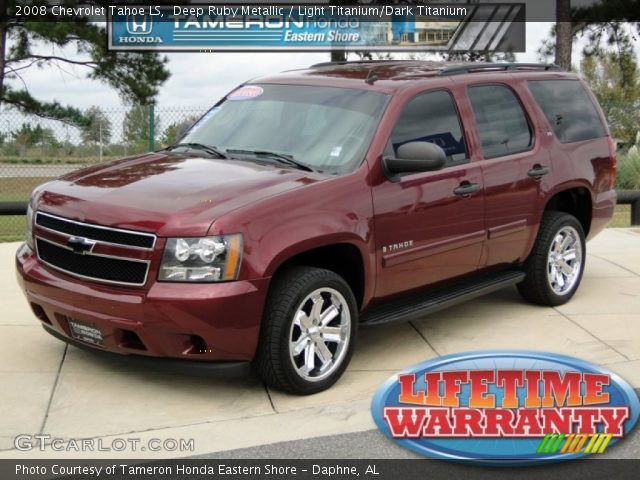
{"x":416,"y":157}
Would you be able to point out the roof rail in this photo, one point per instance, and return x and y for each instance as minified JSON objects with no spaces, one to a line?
{"x":354,"y":62}
{"x":483,"y":67}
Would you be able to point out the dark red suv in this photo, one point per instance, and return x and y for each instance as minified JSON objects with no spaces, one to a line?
{"x":307,"y":203}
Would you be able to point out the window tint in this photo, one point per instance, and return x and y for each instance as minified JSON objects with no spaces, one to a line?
{"x":500,"y":120}
{"x":568,"y":109}
{"x":431,"y":117}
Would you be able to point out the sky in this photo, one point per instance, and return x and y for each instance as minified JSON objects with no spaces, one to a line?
{"x":197,"y":79}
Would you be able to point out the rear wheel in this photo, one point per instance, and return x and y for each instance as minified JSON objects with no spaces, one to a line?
{"x":555,"y":266}
{"x":308,"y":332}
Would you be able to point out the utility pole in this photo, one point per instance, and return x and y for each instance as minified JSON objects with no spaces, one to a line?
{"x":100,"y":140}
{"x":152,"y":127}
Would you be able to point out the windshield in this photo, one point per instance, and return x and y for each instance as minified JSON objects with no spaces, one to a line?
{"x":328,"y":129}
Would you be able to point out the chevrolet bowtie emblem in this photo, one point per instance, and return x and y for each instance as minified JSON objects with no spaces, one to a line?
{"x":81,"y":245}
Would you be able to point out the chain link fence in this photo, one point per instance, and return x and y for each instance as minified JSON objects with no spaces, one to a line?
{"x":34,"y":150}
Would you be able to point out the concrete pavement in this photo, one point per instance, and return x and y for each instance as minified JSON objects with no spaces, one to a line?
{"x":47,"y":387}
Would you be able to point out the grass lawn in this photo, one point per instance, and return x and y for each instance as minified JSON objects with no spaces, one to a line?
{"x":621,"y":217}
{"x":16,"y":189}
{"x":12,"y":228}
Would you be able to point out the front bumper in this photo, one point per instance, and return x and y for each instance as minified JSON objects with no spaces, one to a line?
{"x":165,"y":365}
{"x":196,"y":322}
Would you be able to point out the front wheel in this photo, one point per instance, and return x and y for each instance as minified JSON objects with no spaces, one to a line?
{"x":555,"y":266}
{"x":308,"y":331}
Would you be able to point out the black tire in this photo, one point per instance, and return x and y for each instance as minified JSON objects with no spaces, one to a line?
{"x":273,"y":361}
{"x":536,"y":287}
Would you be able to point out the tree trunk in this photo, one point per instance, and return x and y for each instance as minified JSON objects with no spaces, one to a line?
{"x":564,"y":34}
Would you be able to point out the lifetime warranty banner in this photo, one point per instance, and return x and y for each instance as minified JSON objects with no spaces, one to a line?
{"x":235,"y":27}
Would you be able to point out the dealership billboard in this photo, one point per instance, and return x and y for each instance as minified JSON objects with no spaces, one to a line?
{"x":433,"y":27}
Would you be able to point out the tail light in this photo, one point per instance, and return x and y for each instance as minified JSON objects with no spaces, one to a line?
{"x":614,"y":162}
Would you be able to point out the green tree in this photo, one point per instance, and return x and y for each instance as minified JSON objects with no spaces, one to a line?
{"x":613,"y":78}
{"x":598,"y":22}
{"x":137,"y":127}
{"x":98,"y":127}
{"x":176,"y":130}
{"x":136,"y":76}
{"x":28,"y":136}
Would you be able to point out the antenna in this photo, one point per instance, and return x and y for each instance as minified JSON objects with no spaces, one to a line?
{"x":371,"y":77}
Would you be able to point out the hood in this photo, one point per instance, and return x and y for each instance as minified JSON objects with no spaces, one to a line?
{"x":168,"y":194}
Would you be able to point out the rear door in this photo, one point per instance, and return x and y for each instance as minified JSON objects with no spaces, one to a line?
{"x":515,"y":169}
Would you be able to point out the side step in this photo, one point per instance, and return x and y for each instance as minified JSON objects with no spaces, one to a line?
{"x":423,"y":304}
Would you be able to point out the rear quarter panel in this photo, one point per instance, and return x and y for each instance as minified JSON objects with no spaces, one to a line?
{"x":587,"y":164}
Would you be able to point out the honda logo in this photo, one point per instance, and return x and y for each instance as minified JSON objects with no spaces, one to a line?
{"x":139,"y":24}
{"x":81,"y":245}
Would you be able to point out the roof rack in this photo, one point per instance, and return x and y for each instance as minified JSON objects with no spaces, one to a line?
{"x":484,"y":67}
{"x":354,"y":62}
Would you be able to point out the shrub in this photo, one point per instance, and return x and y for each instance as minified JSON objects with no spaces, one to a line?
{"x":628,"y":174}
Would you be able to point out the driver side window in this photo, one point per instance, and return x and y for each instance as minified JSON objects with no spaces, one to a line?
{"x":430,"y":117}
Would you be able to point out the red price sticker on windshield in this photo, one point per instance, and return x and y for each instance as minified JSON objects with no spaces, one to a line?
{"x":245,"y":93}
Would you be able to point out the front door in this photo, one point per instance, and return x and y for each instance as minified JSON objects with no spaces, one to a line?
{"x":429,"y":226}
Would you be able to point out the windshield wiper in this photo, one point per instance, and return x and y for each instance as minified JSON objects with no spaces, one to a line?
{"x":280,"y":157}
{"x":210,"y":149}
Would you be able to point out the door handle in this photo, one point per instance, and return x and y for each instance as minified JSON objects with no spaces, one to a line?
{"x":538,"y":171}
{"x":466,"y":189}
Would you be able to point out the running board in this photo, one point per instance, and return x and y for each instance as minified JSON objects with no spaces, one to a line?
{"x":417,"y":306}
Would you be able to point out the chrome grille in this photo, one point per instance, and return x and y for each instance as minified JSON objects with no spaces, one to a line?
{"x":101,"y":267}
{"x":114,"y":236}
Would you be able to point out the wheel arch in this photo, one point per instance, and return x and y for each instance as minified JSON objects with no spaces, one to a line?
{"x":344,"y":258}
{"x":575,"y":200}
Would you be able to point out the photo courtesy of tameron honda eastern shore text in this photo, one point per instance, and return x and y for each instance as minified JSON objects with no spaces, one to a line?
{"x":306,"y":204}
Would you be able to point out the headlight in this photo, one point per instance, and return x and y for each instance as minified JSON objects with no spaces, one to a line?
{"x":29,"y":233}
{"x":205,"y":259}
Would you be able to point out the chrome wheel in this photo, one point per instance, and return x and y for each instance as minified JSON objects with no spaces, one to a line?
{"x":564,"y":262}
{"x":320,"y":334}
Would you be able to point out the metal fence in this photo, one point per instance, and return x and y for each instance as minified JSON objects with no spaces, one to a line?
{"x":34,"y":149}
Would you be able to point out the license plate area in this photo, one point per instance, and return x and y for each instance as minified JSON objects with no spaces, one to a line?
{"x":85,"y":332}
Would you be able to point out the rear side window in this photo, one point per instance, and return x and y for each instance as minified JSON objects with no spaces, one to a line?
{"x":500,"y":120}
{"x":569,"y":109}
{"x":431,"y":117}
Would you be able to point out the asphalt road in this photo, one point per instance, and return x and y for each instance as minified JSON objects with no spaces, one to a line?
{"x":372,"y":444}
